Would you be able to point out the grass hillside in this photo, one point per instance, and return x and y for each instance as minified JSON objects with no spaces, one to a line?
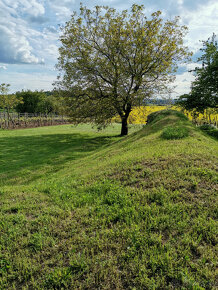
{"x":81,"y":209}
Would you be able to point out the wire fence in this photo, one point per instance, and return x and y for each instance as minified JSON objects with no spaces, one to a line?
{"x":27,"y":120}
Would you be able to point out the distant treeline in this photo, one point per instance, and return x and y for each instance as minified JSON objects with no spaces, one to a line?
{"x":160,"y":102}
{"x":35,"y":102}
{"x":47,"y":102}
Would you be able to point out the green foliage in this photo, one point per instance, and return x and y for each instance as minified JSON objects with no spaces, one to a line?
{"x":204,"y":91}
{"x":40,"y":102}
{"x":35,"y":102}
{"x":111,"y":61}
{"x":8,"y":101}
{"x":61,"y":278}
{"x":210,"y":130}
{"x":176,"y":132}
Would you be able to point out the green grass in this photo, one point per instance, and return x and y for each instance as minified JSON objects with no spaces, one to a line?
{"x":175,"y":132}
{"x":82,"y":209}
{"x":211,"y":131}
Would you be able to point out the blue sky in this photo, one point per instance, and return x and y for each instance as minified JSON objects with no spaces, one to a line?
{"x":29,"y":33}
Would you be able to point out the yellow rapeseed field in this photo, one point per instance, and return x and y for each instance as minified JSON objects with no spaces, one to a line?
{"x":139,"y":115}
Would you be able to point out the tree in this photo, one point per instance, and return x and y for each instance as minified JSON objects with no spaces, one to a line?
{"x":204,"y":90}
{"x":8,"y":101}
{"x":37,"y":102}
{"x":31,"y":101}
{"x":111,"y":61}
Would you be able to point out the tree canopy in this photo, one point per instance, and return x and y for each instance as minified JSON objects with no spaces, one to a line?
{"x":38,"y":102}
{"x":112,"y":61}
{"x":204,"y":90}
{"x":8,"y":101}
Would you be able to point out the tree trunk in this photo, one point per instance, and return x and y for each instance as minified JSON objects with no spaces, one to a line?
{"x":124,"y":129}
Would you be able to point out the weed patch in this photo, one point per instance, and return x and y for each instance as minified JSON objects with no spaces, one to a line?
{"x":177,"y":132}
{"x":210,"y":130}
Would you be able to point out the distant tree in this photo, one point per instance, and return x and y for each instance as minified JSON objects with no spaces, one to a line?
{"x":37,"y":102}
{"x":31,"y":101}
{"x":204,"y":90}
{"x":8,"y":101}
{"x":47,"y":104}
{"x":111,"y":61}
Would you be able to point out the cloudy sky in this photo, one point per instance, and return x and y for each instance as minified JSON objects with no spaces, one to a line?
{"x":29,"y":32}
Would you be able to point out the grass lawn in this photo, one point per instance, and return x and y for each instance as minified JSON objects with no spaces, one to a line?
{"x":81,"y":209}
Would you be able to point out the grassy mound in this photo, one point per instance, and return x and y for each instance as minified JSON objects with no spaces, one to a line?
{"x":174,"y":124}
{"x":159,"y":115}
{"x":88,"y":210}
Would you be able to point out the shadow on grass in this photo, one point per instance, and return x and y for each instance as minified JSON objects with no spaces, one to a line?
{"x":26,"y":158}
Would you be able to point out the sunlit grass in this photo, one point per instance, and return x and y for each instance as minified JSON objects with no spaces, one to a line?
{"x":82,"y":209}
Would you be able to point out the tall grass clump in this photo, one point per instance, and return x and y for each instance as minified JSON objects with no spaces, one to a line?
{"x":177,"y":132}
{"x":210,"y":130}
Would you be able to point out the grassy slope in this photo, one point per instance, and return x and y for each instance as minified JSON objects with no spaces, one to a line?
{"x":87,"y":210}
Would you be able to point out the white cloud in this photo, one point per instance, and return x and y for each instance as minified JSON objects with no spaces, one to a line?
{"x":63,"y":9}
{"x":201,"y":23}
{"x":31,"y":7}
{"x":192,"y":66}
{"x":15,"y":46}
{"x":34,"y":81}
{"x":3,"y":67}
{"x":182,"y":84}
{"x":63,"y":13}
{"x":50,"y":29}
{"x":52,"y":50}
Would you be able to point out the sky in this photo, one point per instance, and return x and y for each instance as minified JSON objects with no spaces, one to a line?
{"x":30,"y":30}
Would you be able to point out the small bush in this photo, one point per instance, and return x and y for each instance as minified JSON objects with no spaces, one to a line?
{"x":205,"y":127}
{"x":209,"y":130}
{"x":174,"y":133}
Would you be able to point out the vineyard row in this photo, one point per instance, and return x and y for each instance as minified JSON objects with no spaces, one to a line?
{"x":27,"y":120}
